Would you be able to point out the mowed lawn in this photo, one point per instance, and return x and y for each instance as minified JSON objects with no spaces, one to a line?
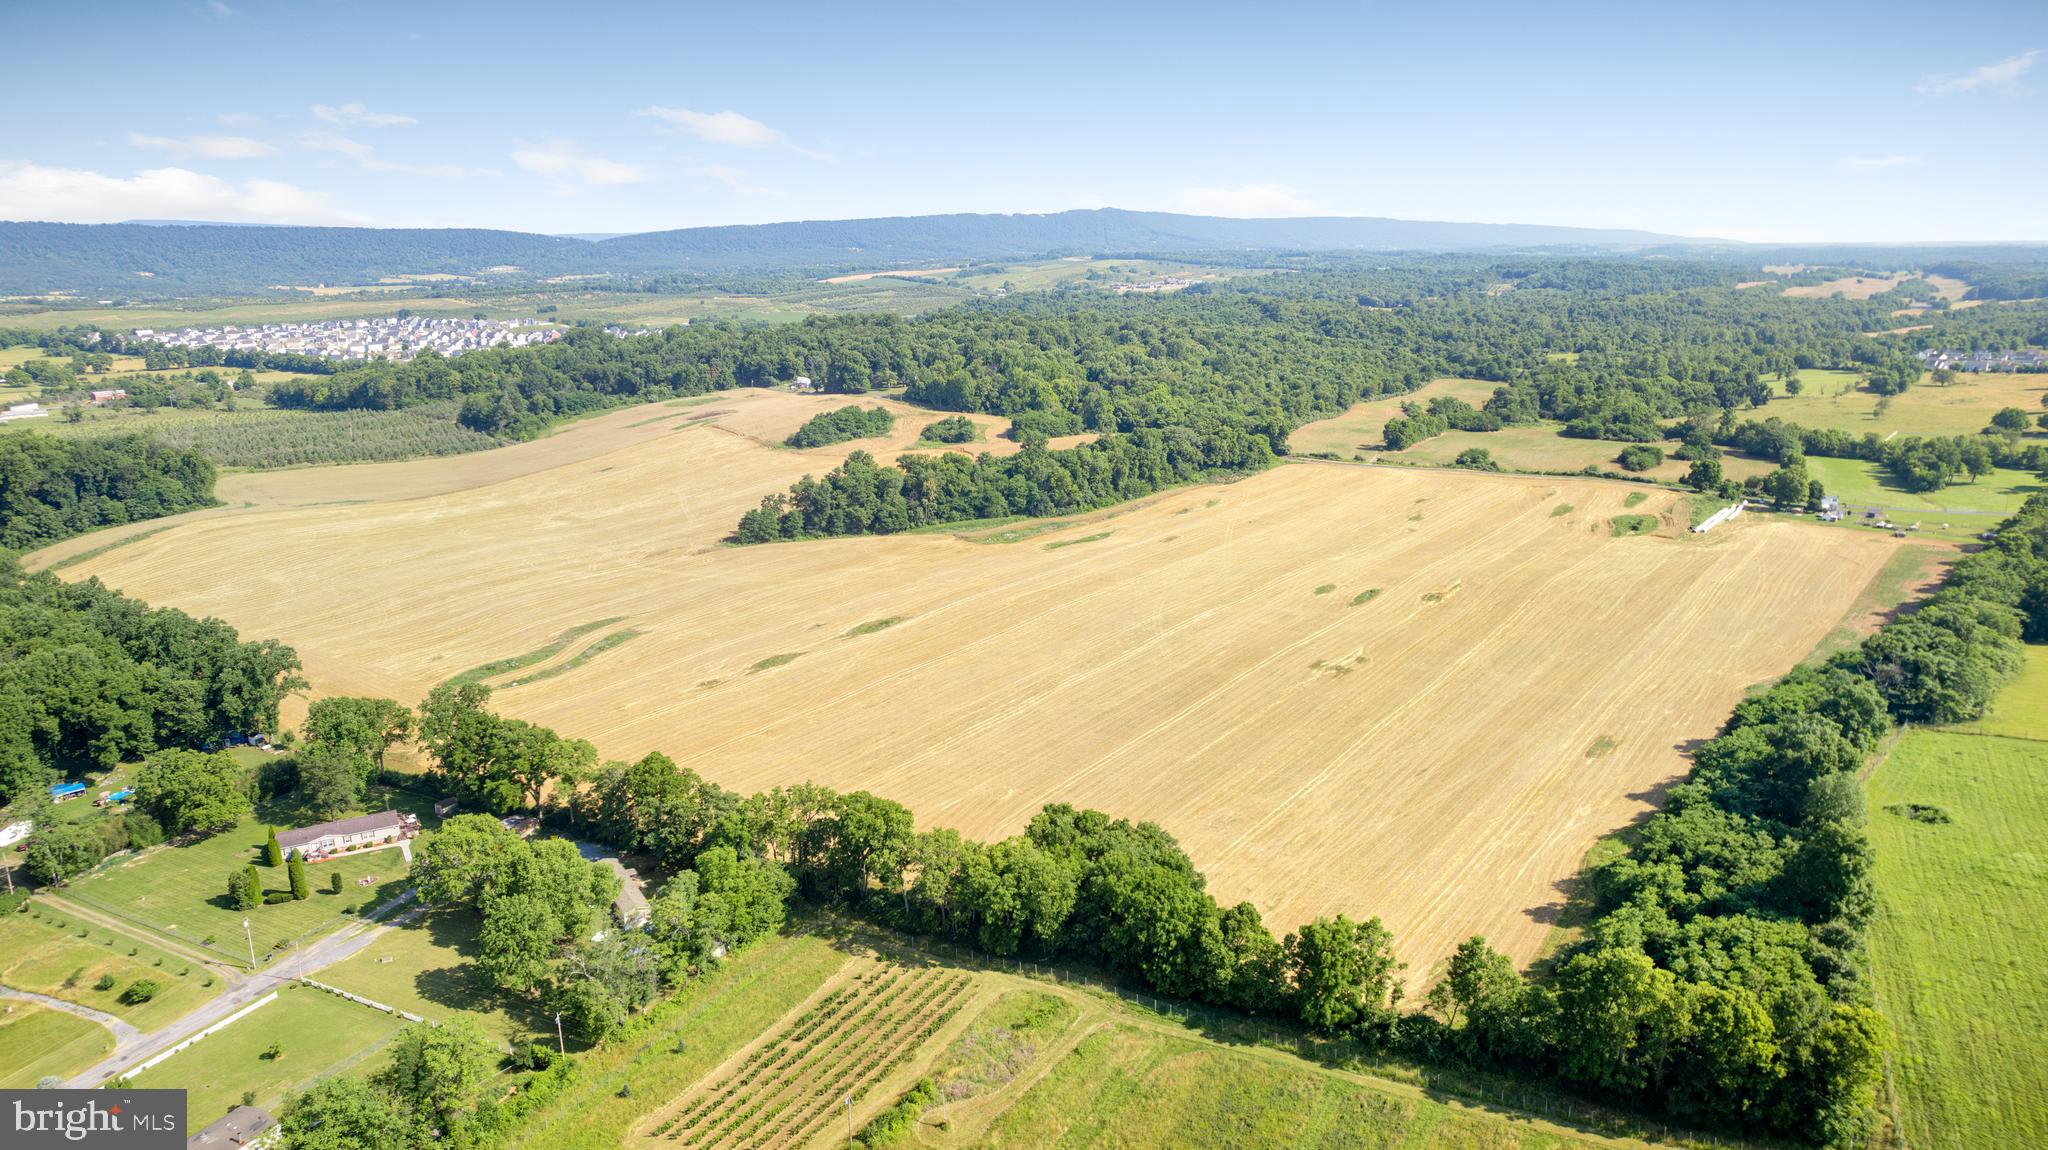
{"x":1961,"y":928}
{"x":1991,"y":498}
{"x":181,"y":891}
{"x":36,"y":1041}
{"x":427,"y":967}
{"x":320,"y":1034}
{"x":67,"y":962}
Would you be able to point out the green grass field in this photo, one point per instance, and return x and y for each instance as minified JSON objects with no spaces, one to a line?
{"x":321,"y":1034}
{"x":181,"y":891}
{"x":1833,"y":399}
{"x":38,"y":955}
{"x":2021,"y":709}
{"x":36,"y":1041}
{"x":425,"y":967}
{"x":1134,"y":1087}
{"x":1970,"y":507}
{"x":1961,"y":927}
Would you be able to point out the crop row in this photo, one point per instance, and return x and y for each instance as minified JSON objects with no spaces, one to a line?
{"x":767,"y":1099}
{"x":789,"y":1086}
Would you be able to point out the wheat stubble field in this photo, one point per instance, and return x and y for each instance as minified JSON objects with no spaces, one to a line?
{"x":1420,"y":696}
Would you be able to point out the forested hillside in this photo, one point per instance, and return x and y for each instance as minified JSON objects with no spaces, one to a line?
{"x":139,"y":260}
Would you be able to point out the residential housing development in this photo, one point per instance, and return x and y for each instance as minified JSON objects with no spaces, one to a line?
{"x":386,"y":337}
{"x":1956,"y":360}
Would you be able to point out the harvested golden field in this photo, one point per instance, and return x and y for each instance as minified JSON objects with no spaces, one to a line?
{"x":1851,"y":287}
{"x":1417,"y":695}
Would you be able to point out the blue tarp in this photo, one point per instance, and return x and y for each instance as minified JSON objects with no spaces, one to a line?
{"x":66,"y":790}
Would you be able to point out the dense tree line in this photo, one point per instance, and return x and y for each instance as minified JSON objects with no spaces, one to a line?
{"x":90,"y":678}
{"x":52,"y":488}
{"x":862,"y":497}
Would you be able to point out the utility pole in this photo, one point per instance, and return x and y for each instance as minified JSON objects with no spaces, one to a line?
{"x":559,"y":1048}
{"x":246,"y":933}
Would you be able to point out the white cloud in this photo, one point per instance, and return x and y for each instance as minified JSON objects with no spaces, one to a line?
{"x":211,"y":147}
{"x":735,"y":181}
{"x":1246,"y":201}
{"x":72,"y":195}
{"x":565,"y":162}
{"x":2002,"y":74}
{"x":727,"y":127}
{"x":366,"y":157}
{"x":238,"y":119}
{"x":1871,"y":163}
{"x":216,"y":8}
{"x":357,"y":116}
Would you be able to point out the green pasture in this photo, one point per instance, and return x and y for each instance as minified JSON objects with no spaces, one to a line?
{"x":1836,"y":399}
{"x":1138,"y":1087}
{"x":1961,"y":926}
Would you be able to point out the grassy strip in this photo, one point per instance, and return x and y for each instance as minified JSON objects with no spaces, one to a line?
{"x":102,"y":549}
{"x":1560,"y":510}
{"x":610,"y":641}
{"x":1365,"y":596}
{"x":874,"y":625}
{"x":1635,"y":497}
{"x":1626,"y":525}
{"x":497,"y":667}
{"x":774,"y":661}
{"x":1056,"y":544}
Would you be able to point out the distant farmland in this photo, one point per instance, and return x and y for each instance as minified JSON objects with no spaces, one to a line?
{"x":1440,"y":752}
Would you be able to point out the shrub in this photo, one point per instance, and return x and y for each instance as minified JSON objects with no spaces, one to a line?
{"x":272,"y":898}
{"x":1640,"y":457}
{"x":106,"y":982}
{"x":334,"y":882}
{"x":952,"y":429}
{"x":140,"y":991}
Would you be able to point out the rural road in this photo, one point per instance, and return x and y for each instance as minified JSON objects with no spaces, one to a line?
{"x":135,"y":1047}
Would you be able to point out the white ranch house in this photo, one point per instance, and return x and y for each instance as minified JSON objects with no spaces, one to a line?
{"x":344,"y":834}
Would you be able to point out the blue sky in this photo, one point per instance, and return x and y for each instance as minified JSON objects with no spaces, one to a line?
{"x":1778,"y":121}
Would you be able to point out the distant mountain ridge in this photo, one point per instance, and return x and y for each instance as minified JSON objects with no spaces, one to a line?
{"x":176,"y":257}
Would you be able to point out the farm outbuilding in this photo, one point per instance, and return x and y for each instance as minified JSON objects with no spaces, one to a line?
{"x":59,"y":792}
{"x":445,"y":807}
